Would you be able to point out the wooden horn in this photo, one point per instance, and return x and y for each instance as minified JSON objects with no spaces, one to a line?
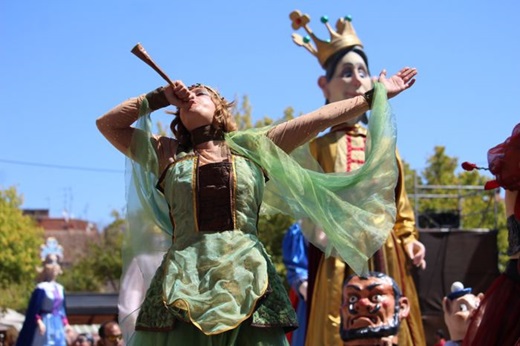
{"x":142,"y":54}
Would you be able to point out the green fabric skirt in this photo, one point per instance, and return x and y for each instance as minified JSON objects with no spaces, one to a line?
{"x":188,"y":334}
{"x":273,"y":316}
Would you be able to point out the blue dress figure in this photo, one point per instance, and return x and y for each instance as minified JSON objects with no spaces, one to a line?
{"x":45,"y":319}
{"x":294,"y":251}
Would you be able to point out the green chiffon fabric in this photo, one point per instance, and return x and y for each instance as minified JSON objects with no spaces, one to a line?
{"x":355,"y":210}
{"x":213,"y":282}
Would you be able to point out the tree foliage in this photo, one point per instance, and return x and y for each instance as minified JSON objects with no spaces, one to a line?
{"x":242,"y":113}
{"x":20,"y":240}
{"x":440,"y":189}
{"x":100,"y":269}
{"x":271,"y":232}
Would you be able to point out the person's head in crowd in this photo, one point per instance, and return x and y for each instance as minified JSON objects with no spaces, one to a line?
{"x":110,"y":334}
{"x":84,"y":339}
{"x":372,"y":309}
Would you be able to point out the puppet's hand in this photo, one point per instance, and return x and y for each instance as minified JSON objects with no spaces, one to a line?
{"x":386,"y":341}
{"x":70,"y":334}
{"x":399,"y":82}
{"x":41,"y":327}
{"x":416,"y":252}
{"x":303,"y":289}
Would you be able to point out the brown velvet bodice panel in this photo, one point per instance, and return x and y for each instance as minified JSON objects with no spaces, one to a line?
{"x":215,"y":197}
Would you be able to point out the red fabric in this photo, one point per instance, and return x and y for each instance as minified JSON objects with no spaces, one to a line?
{"x":517,"y":207}
{"x":504,"y":161}
{"x":496,"y":321}
{"x":293,"y":297}
{"x":490,"y":185}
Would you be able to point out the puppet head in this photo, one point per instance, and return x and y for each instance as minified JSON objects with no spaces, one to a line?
{"x":458,"y":308}
{"x":372,"y":309}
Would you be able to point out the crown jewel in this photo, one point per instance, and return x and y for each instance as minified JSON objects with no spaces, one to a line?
{"x":344,"y":36}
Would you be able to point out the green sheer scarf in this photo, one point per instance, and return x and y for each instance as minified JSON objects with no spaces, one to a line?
{"x":355,"y":211}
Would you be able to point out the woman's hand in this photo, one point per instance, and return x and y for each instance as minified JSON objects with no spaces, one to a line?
{"x":179,"y":95}
{"x":402,"y":80}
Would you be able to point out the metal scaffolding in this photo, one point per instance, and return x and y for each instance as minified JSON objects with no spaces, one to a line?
{"x":457,"y":192}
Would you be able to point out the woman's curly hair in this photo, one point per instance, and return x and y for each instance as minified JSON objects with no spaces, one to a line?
{"x":223,"y":118}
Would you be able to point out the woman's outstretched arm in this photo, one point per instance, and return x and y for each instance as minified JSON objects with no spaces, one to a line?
{"x":293,"y":133}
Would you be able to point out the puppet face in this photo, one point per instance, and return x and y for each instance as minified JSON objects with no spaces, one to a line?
{"x":351,"y":78}
{"x":370,"y":308}
{"x":51,"y":268}
{"x":457,"y":313}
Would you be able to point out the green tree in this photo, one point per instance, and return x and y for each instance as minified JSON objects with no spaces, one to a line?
{"x":463,"y":193}
{"x":441,"y":189}
{"x":411,"y":180}
{"x":162,"y":130}
{"x":440,"y":172}
{"x":242,"y":114}
{"x":80,"y":276}
{"x":20,"y":240}
{"x":271,"y":232}
{"x":100,"y":269}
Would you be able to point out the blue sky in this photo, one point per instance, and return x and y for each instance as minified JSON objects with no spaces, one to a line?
{"x":64,"y":63}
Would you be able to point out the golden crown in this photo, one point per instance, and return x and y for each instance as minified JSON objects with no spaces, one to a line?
{"x":344,"y":36}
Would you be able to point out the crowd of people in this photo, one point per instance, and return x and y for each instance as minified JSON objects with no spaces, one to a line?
{"x":109,"y":334}
{"x":348,"y":257}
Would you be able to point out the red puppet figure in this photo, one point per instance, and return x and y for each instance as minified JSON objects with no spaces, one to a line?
{"x":496,"y":321}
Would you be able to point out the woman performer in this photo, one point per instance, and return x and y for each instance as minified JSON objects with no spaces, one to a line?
{"x":216,"y":284}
